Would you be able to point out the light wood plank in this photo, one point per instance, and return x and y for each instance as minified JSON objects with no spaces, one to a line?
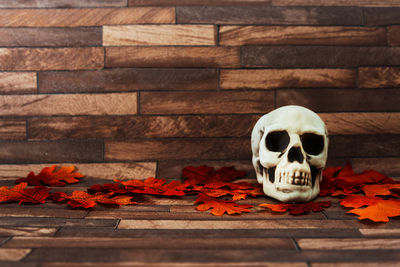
{"x":9,"y":254}
{"x":348,"y":243}
{"x":18,"y":82}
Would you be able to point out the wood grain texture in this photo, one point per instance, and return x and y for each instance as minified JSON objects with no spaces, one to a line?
{"x":379,"y":77}
{"x":361,"y":3}
{"x":51,"y":152}
{"x":150,"y":35}
{"x":44,"y":212}
{"x":351,"y":243}
{"x":131,"y":127}
{"x":9,"y":254}
{"x":341,"y":100}
{"x":18,"y":82}
{"x":286,"y":78}
{"x":72,"y":104}
{"x":50,"y":37}
{"x":382,"y":16}
{"x":107,"y":171}
{"x":167,"y":57}
{"x":61,"y":3}
{"x":301,"y":35}
{"x":380,"y":232}
{"x":84,"y":17}
{"x":196,"y":2}
{"x":206,"y":102}
{"x":387,"y":166}
{"x":12,"y":129}
{"x":318,"y":56}
{"x":394,"y":35}
{"x":108,"y":80}
{"x":178,"y":149}
{"x":270,"y":15}
{"x":51,"y":58}
{"x":362,"y":123}
{"x":27,"y":231}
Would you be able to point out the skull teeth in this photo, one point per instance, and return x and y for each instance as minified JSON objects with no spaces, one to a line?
{"x":295,"y":178}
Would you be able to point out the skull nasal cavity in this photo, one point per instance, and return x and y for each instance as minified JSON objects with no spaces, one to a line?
{"x":295,"y":155}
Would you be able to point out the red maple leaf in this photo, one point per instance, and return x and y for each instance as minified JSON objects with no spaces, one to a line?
{"x":298,"y":208}
{"x":21,"y":194}
{"x":219,"y":207}
{"x":377,"y":209}
{"x":154,"y":186}
{"x":51,"y":176}
{"x":80,"y":199}
{"x":206,"y":175}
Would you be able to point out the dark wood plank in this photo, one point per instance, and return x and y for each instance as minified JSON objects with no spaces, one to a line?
{"x":301,"y":35}
{"x":387,"y":166}
{"x":41,"y":152}
{"x":382,"y":15}
{"x":18,"y":82}
{"x":50,"y":37}
{"x":169,"y":57}
{"x":51,"y":58}
{"x":270,"y":15}
{"x":206,"y":102}
{"x":196,"y":2}
{"x":361,"y":3}
{"x":125,"y":128}
{"x":286,"y":78}
{"x":56,"y":222}
{"x":233,"y":148}
{"x":61,"y":3}
{"x":394,"y":35}
{"x":340,"y":100}
{"x":128,"y":80}
{"x":318,"y":56}
{"x":383,"y":77}
{"x":76,"y":17}
{"x":12,"y":129}
{"x":48,"y":211}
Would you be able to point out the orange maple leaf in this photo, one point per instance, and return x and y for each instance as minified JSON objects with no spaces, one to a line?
{"x":377,"y":209}
{"x":298,"y":208}
{"x":51,"y":176}
{"x":372,"y":190}
{"x":219,"y":207}
{"x":21,"y":194}
{"x":206,"y":175}
{"x":80,"y":199}
{"x":154,"y":186}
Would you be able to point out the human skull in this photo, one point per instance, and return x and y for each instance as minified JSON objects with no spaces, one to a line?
{"x":290,"y":149}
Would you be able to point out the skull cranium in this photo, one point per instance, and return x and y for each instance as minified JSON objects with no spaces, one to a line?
{"x":290,"y":149}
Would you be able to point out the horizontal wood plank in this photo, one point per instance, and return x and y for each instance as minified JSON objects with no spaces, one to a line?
{"x":206,"y":102}
{"x":394,"y":35}
{"x":178,"y":149}
{"x":383,"y":77}
{"x":18,"y":82}
{"x":270,"y":15}
{"x":72,"y":104}
{"x":341,"y":100}
{"x":17,"y":59}
{"x":131,"y":127}
{"x":50,"y":37}
{"x":52,"y":152}
{"x":44,"y":212}
{"x":318,"y":56}
{"x":361,"y":3}
{"x":128,"y":80}
{"x":289,"y":78}
{"x":61,"y":3}
{"x":9,"y":254}
{"x":12,"y":129}
{"x":56,"y":222}
{"x":362,"y":123}
{"x":348,"y":243}
{"x":381,"y":15}
{"x":301,"y":35}
{"x":387,"y":166}
{"x":27,"y":231}
{"x":85,"y":16}
{"x":148,"y":35}
{"x":167,"y":57}
{"x":376,"y":233}
{"x":108,"y":171}
{"x":196,"y":2}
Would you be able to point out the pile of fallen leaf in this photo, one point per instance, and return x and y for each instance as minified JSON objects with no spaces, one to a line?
{"x":371,"y":194}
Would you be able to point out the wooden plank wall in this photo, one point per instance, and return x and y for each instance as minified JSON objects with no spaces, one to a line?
{"x":144,"y":87}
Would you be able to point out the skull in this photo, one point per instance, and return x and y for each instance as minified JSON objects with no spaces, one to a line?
{"x":290,"y":149}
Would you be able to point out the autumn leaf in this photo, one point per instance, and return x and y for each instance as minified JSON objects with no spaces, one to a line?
{"x":154,"y":186}
{"x":80,"y":199}
{"x":238,"y":190}
{"x":373,"y":190}
{"x":377,"y":209}
{"x":206,"y":175}
{"x":52,"y":177}
{"x":298,"y":208}
{"x":219,"y":207}
{"x":21,"y":194}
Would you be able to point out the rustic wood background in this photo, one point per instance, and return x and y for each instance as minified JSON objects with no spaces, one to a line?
{"x":139,"y":88}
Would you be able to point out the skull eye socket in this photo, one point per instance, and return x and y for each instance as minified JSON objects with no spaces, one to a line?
{"x":312,"y":143}
{"x":277,"y":141}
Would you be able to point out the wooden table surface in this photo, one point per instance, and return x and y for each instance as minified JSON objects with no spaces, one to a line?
{"x":165,"y":231}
